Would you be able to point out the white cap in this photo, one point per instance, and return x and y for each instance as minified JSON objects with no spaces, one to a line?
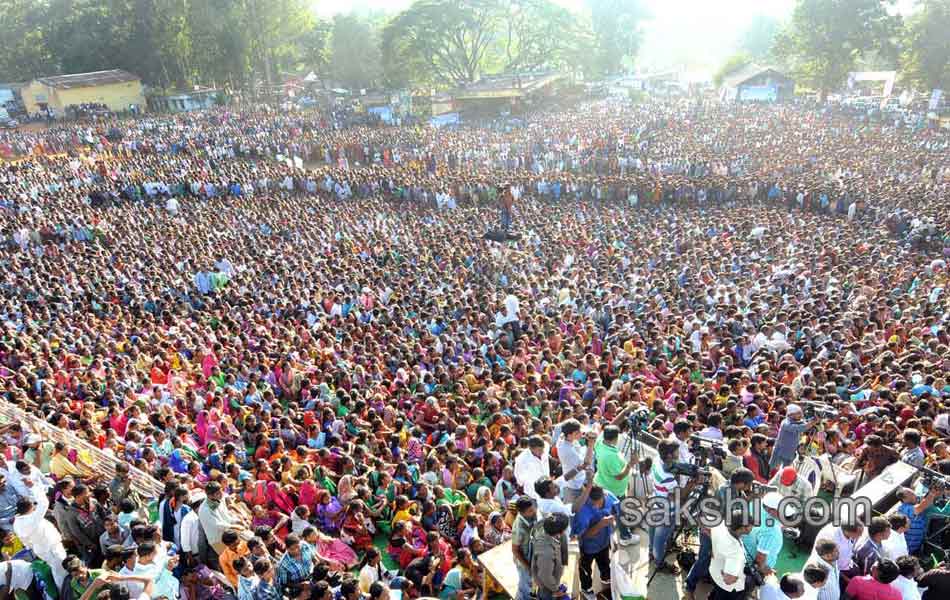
{"x":794,"y":408}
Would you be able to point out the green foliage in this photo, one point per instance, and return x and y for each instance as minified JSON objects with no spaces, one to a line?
{"x":730,"y":66}
{"x":827,"y":37}
{"x":354,"y":51}
{"x":617,"y":26}
{"x":925,"y":61}
{"x":168,"y":43}
{"x":445,"y":41}
{"x":758,"y":38}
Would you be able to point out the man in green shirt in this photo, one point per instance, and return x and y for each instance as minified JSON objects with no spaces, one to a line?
{"x":613,"y":470}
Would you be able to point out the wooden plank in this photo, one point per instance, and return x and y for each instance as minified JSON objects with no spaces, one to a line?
{"x":500,"y":564}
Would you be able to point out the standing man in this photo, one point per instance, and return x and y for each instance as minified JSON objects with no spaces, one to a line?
{"x":825,"y":556}
{"x":765,"y":541}
{"x":613,"y":470}
{"x":871,"y":548}
{"x":39,"y":535}
{"x":521,"y":543}
{"x":532,"y":464}
{"x":728,"y":557}
{"x":736,"y":490}
{"x":665,"y":485}
{"x":593,"y":526}
{"x":789,"y":435}
{"x":550,"y":557}
{"x":575,"y":459}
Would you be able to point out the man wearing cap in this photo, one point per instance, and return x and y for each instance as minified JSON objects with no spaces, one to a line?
{"x":765,"y":540}
{"x":789,"y":435}
{"x":790,"y":484}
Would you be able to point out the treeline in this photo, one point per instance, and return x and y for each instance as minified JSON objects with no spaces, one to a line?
{"x":241,"y":43}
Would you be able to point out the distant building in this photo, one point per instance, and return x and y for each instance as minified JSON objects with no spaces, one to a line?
{"x":753,"y":83}
{"x":506,"y":93}
{"x":117,"y":90}
{"x":184,"y":100}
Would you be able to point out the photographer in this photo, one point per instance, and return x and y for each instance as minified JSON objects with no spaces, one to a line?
{"x":789,"y":436}
{"x":727,"y":567}
{"x":575,"y":459}
{"x":613,"y":469}
{"x":665,"y":483}
{"x":738,"y":488}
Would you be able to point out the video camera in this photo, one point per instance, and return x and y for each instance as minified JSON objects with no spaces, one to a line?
{"x":812,"y":409}
{"x":638,"y":420}
{"x":705,"y":449}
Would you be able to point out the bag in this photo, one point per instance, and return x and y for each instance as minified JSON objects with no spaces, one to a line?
{"x":624,"y":585}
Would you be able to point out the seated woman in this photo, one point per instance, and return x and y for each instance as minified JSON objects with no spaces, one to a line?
{"x":496,"y":532}
{"x":358,"y":527}
{"x":329,"y":513}
{"x":335,"y":553}
{"x":271,"y":518}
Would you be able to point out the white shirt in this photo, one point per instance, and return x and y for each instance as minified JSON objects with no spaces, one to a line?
{"x":895,"y":546}
{"x":21,"y":576}
{"x":907,"y":587}
{"x":550,"y":506}
{"x":772,"y":591}
{"x":511,"y":308}
{"x":36,"y":533}
{"x":571,"y":455}
{"x":529,"y":468}
{"x":728,"y":556}
{"x":190,"y":532}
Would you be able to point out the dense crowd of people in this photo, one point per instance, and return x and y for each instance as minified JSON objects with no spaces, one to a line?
{"x":346,"y":391}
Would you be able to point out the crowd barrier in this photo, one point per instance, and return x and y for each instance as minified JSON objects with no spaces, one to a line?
{"x":98,"y":463}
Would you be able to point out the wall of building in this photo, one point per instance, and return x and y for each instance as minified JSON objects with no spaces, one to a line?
{"x":117,"y":96}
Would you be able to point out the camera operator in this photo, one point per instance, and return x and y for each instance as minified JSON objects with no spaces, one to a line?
{"x":738,"y":488}
{"x":665,"y":484}
{"x":727,"y":566}
{"x":789,"y":436}
{"x":575,"y":459}
{"x":613,"y":469}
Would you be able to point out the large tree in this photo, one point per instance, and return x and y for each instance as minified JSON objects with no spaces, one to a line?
{"x":539,"y":34}
{"x":758,"y":38}
{"x":25,"y":54}
{"x":826,"y":37}
{"x":446,"y":41}
{"x":618,"y":32}
{"x":354,"y":52}
{"x":925,"y":61}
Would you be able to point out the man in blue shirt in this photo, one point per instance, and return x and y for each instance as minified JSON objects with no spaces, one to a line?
{"x":765,"y":540}
{"x":593,"y":526}
{"x":789,"y":435}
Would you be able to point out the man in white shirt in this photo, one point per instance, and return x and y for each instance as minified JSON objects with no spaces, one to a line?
{"x":825,"y":556}
{"x":845,"y":537}
{"x":575,"y":459}
{"x":531,"y":465}
{"x":39,"y":535}
{"x":906,"y":582}
{"x":727,"y":565}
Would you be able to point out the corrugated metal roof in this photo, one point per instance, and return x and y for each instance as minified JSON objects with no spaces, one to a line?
{"x":746,"y":73}
{"x":94,"y":79}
